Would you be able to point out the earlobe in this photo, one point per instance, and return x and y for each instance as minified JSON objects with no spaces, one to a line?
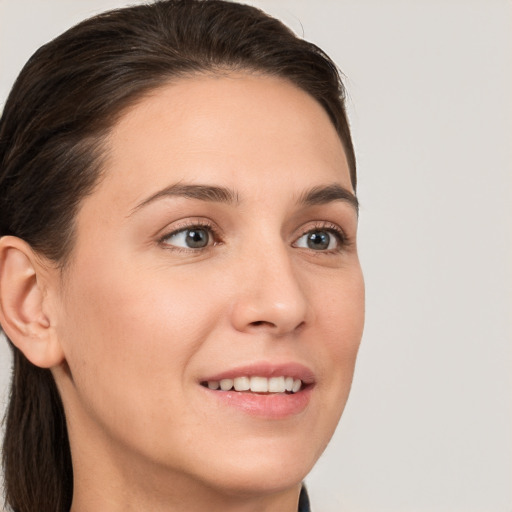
{"x":22,"y":313}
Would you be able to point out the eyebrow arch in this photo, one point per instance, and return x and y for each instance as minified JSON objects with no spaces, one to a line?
{"x":209,"y":193}
{"x":312,"y":197}
{"x":327,"y":194}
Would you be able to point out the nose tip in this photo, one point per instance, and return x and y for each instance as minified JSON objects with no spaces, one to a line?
{"x":277,"y":318}
{"x":273,"y":301}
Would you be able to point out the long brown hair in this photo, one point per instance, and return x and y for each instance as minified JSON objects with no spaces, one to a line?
{"x":64,"y":102}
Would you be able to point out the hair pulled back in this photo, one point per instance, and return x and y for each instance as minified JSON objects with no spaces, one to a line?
{"x":63,"y":104}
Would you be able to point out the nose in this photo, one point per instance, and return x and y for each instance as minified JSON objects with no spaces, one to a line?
{"x":270,"y":295}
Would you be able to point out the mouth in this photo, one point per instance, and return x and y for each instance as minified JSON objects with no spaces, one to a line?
{"x":257,"y":384}
{"x":263,"y":390}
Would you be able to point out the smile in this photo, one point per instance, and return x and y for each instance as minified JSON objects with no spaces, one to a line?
{"x":264,"y":390}
{"x":256,"y":384}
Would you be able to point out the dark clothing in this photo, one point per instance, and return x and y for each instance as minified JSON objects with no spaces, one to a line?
{"x":304,"y":501}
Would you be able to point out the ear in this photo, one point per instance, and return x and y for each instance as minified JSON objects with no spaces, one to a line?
{"x":22,"y":304}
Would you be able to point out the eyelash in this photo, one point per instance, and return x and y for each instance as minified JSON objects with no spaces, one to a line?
{"x":333,"y":229}
{"x":200,"y":224}
{"x":341,"y":237}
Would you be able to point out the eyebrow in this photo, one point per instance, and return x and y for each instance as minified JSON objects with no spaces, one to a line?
{"x":327,"y":194}
{"x":211,"y":193}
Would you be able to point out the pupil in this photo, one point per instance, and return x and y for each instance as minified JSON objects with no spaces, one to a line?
{"x":319,"y":240}
{"x":197,"y":238}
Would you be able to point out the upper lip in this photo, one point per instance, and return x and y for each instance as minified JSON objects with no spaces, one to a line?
{"x":265,"y":369}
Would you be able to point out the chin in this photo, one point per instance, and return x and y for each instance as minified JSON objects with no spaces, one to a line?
{"x":267,"y":472}
{"x":258,"y":482}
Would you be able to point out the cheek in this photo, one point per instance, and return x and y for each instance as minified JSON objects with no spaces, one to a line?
{"x":123,"y":309}
{"x":335,"y":339}
{"x":340,"y":309}
{"x":129,"y":335}
{"x":340,"y":317}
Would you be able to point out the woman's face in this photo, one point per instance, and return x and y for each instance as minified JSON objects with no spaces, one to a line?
{"x":219,"y":249}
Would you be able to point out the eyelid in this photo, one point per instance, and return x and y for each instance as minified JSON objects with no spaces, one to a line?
{"x":188,"y":224}
{"x":343,"y":240}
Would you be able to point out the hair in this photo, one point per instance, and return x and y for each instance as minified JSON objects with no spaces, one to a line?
{"x":66,"y":99}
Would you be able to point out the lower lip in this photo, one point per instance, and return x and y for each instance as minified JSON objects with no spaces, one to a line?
{"x":271,"y":406}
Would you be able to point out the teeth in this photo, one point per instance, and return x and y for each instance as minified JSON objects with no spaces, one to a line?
{"x":226,"y":384}
{"x":242,"y":384}
{"x":258,"y":384}
{"x":276,"y":385}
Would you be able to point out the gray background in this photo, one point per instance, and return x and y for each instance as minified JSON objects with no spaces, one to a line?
{"x":428,"y":426}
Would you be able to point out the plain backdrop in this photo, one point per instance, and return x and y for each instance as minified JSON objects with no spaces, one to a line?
{"x":428,"y":426}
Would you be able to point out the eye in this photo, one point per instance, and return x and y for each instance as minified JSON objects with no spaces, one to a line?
{"x":194,"y":237}
{"x":319,"y":240}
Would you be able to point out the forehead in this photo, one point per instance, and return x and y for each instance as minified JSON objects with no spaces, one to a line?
{"x":241,"y":131}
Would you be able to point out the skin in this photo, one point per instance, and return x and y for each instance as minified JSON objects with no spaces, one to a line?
{"x":137,"y":319}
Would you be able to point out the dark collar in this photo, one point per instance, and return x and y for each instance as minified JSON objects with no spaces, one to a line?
{"x":304,"y":501}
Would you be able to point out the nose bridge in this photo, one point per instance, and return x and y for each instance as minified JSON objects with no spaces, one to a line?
{"x":270,"y":294}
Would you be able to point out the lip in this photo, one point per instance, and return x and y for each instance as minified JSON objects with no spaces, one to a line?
{"x":276,"y":406}
{"x":295,"y":370}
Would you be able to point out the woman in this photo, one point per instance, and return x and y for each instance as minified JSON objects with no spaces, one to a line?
{"x":179,"y":278}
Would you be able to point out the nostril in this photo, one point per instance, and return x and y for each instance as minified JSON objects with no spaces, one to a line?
{"x":264,"y":323}
{"x":260,"y":322}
